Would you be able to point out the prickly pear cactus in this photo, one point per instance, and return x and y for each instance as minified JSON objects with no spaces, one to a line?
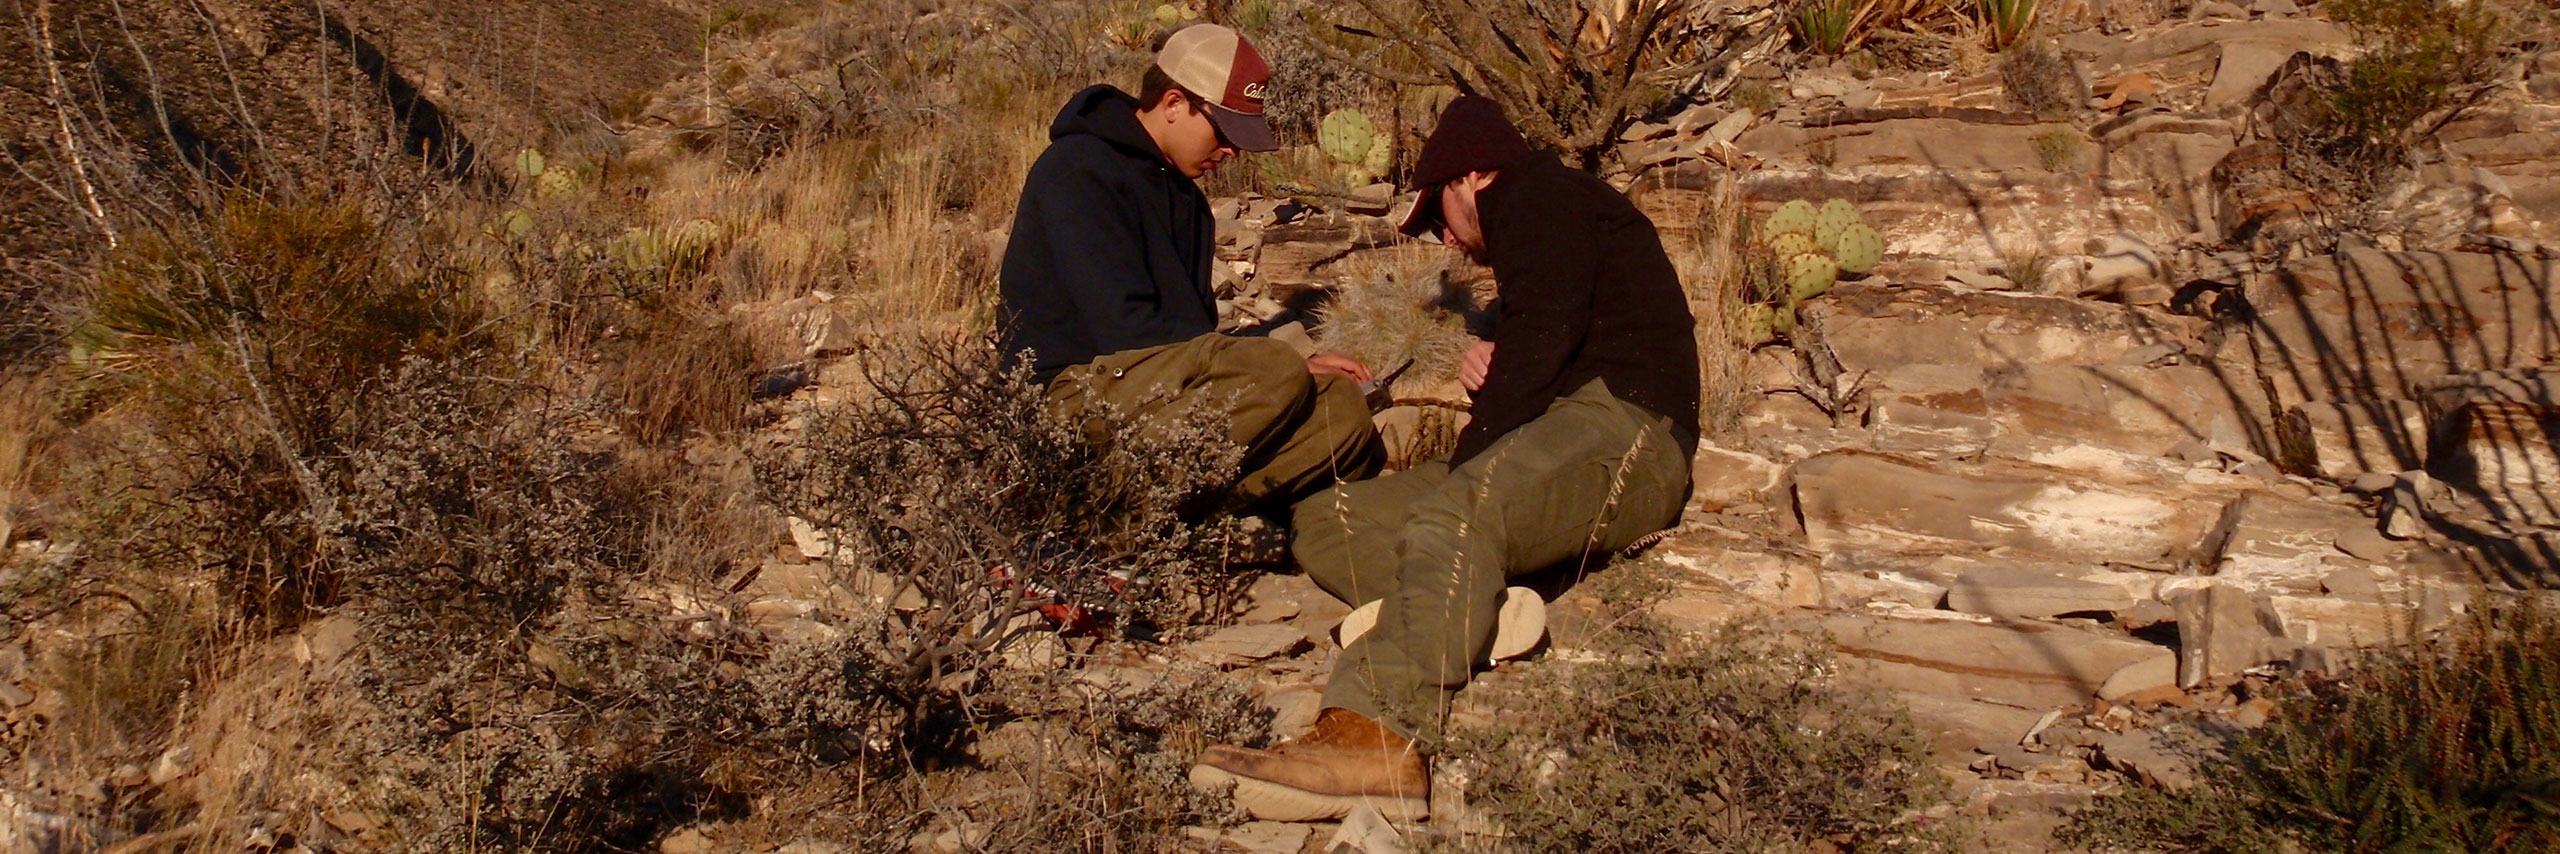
{"x":1354,"y":144}
{"x":555,"y":182}
{"x":1836,"y":215}
{"x":1782,"y":319}
{"x":1795,"y":217}
{"x":515,"y":223}
{"x":1858,"y":248}
{"x":1808,"y":275}
{"x":1790,"y":244}
{"x":529,"y":163}
{"x":1757,"y":324}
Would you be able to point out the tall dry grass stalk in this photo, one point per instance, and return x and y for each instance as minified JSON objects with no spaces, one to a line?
{"x":1710,"y":262}
{"x":24,"y":406}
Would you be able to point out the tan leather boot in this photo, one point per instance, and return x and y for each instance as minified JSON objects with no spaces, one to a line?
{"x":1346,"y":761}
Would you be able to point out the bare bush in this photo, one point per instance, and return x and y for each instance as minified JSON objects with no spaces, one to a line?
{"x":953,"y":479}
{"x":1738,"y":741}
{"x":1571,"y":75}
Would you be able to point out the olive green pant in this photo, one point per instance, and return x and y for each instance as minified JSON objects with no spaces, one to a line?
{"x":1300,"y":431}
{"x":1580,"y":482}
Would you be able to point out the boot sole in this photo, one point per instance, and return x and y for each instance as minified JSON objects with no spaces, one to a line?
{"x":1269,"y":801}
{"x":1519,"y":623}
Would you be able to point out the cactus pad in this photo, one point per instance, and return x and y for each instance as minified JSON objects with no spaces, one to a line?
{"x":529,"y":163}
{"x":1756,"y":324}
{"x":1346,"y":136}
{"x":516,"y":222}
{"x":1858,"y":248}
{"x":1793,"y":217}
{"x":1808,"y":275}
{"x":1790,"y":244}
{"x":1836,"y":216}
{"x":555,"y":182}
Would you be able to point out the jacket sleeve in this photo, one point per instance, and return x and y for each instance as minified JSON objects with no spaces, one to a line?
{"x":1545,"y":300}
{"x":1097,"y":254}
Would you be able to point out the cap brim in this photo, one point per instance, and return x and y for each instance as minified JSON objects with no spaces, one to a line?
{"x":1423,"y":219}
{"x":1246,"y":132}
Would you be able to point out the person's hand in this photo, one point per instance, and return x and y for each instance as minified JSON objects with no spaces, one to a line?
{"x":1336,"y":363}
{"x":1473,"y":366}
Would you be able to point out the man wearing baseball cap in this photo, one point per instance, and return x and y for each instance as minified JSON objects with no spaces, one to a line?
{"x":1105,"y":286}
{"x":1584,"y":417}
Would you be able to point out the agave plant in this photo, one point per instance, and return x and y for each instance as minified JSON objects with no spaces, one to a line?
{"x":2006,"y":20}
{"x":1830,"y":26}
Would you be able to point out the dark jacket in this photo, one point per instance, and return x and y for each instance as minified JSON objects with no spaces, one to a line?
{"x":1110,"y":248}
{"x":1586,"y":293}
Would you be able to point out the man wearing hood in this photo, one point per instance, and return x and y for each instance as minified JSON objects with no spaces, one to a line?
{"x":1584,"y":417}
{"x":1105,"y":285}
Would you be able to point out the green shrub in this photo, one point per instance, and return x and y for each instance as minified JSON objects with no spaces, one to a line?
{"x":2447,"y":744}
{"x":2424,"y":57}
{"x":2058,"y":150}
{"x":2347,"y":128}
{"x":1738,"y":741}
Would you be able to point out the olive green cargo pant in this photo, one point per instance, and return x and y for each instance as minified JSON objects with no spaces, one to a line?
{"x":1300,"y":431}
{"x":1582,"y":481}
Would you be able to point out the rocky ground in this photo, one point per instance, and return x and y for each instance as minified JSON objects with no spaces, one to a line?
{"x":2094,"y":457}
{"x":2067,"y":519}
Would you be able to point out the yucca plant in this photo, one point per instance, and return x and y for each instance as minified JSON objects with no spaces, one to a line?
{"x":2006,"y":20}
{"x":1831,"y":27}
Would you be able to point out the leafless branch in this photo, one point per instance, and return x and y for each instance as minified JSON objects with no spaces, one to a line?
{"x":61,"y":96}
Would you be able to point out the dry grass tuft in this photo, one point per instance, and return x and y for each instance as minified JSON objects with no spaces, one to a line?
{"x":2025,"y":266}
{"x":1714,"y":266}
{"x":1737,"y":741}
{"x":1399,"y":307}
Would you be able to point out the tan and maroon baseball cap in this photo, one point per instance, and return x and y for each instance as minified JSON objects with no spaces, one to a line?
{"x":1217,"y":64}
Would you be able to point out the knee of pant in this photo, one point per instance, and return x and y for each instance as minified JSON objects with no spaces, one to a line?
{"x":1438,"y":527}
{"x":1324,"y":514}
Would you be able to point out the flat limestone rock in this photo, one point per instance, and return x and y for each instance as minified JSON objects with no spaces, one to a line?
{"x":1239,"y":644}
{"x":2369,"y":324}
{"x":1257,"y":837}
{"x":2219,"y":634}
{"x":2029,"y":593}
{"x":1851,"y":501}
{"x":1721,"y":477}
{"x":2264,"y":540}
{"x":2339,"y":440}
{"x":1875,"y":328}
{"x":2026,"y":664}
{"x":2503,"y":453}
{"x":2149,"y":758}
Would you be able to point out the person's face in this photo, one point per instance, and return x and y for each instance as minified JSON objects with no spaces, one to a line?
{"x":1190,"y":141}
{"x":1459,"y":226}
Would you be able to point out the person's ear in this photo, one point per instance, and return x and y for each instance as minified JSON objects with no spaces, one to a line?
{"x":1171,"y":100}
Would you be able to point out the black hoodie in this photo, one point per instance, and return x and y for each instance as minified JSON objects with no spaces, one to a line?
{"x":1110,"y":248}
